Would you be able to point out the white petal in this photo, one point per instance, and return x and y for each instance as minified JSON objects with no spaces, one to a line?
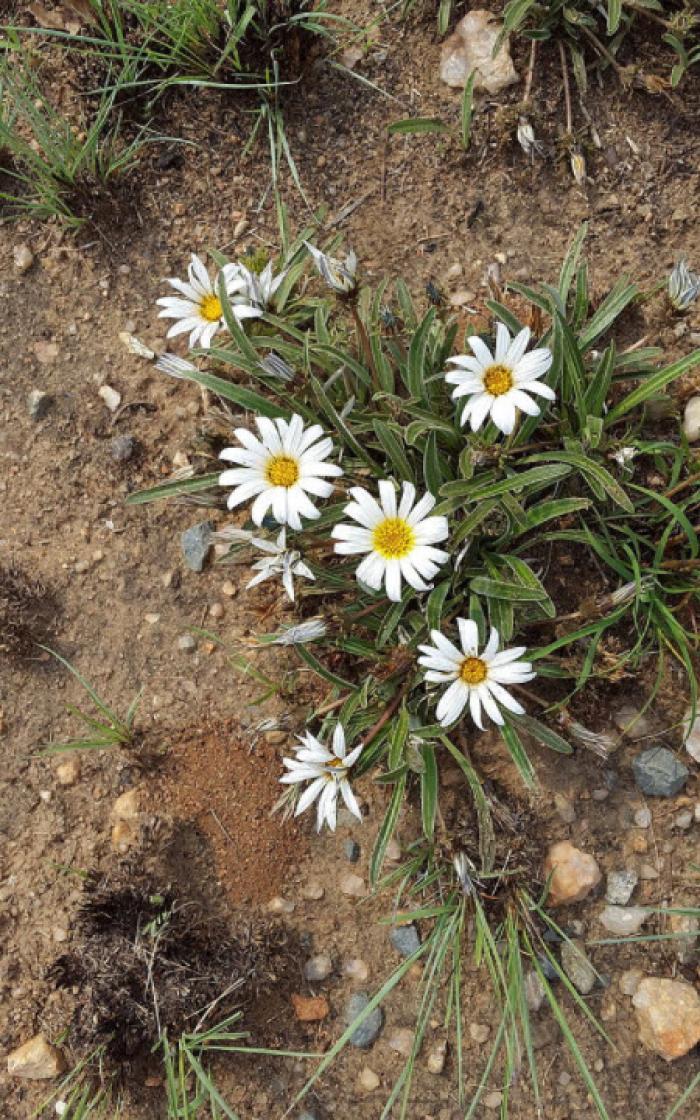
{"x":490,"y":704}
{"x":309,"y":795}
{"x":371,"y":571}
{"x":387,"y":498}
{"x":349,"y":798}
{"x":502,"y":341}
{"x":393,"y":580}
{"x":475,"y":707}
{"x":481,"y":350}
{"x":452,"y":703}
{"x":518,"y":347}
{"x":408,"y":497}
{"x":492,"y":645}
{"x":468,"y":636}
{"x":503,"y":414}
{"x":339,"y":741}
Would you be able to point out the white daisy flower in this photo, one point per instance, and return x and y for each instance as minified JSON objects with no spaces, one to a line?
{"x":339,"y":275}
{"x":280,"y":470}
{"x":498,"y":384}
{"x":625,"y":455}
{"x":400,"y":541}
{"x":258,"y":287}
{"x":476,"y":678}
{"x":282,"y":561}
{"x":327,"y":772}
{"x":198,"y":308}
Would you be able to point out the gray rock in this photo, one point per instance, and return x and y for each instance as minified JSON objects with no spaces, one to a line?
{"x":621,"y":886}
{"x":658,"y":772}
{"x":186,"y":643}
{"x":352,"y":851}
{"x":195,"y":543}
{"x":38,"y":404}
{"x":534,"y":990}
{"x":577,"y":966}
{"x":307,"y":1115}
{"x":405,"y":940}
{"x":642,"y":818}
{"x":121,"y":448}
{"x":623,"y":921}
{"x":367,"y":1032}
{"x":318,"y":968}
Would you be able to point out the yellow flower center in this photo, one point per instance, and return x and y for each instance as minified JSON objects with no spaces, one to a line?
{"x":393,"y":539}
{"x":472,"y":670}
{"x":498,"y":380}
{"x":210,"y":308}
{"x":281,"y":470}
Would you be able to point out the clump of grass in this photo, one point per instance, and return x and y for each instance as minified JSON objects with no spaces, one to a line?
{"x":149,"y":966}
{"x":105,"y":730}
{"x":26,"y":611}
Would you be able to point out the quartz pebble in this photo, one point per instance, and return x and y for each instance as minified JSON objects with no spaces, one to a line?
{"x":574,"y":873}
{"x":691,"y":420}
{"x":470,"y":48}
{"x":367,"y":1080}
{"x":630,"y":980}
{"x":689,"y":926}
{"x":479,"y":1032}
{"x":23,"y":257}
{"x":684,"y":820}
{"x":356,"y":969}
{"x":68,"y":772}
{"x":121,"y":448}
{"x":126,"y":817}
{"x":110,"y":396}
{"x":36,"y":1060}
{"x":186,"y":643}
{"x":642,"y":818}
{"x":436,"y":1058}
{"x":313,"y":890}
{"x":318,"y":968}
{"x":623,"y":920}
{"x":668,"y":1014}
{"x":353,"y":886}
{"x":493,"y":1100}
{"x":402,"y":1041}
{"x":620,"y":886}
{"x":279,"y":905}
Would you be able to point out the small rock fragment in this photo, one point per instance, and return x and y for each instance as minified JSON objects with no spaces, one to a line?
{"x":352,"y":851}
{"x":684,"y":820}
{"x":633,"y":723}
{"x":534,"y":991}
{"x":367,"y":1032}
{"x":46,"y":352}
{"x":310,"y":1009}
{"x":630,"y":981}
{"x":402,"y":1041}
{"x":577,"y":966}
{"x":279,"y":905}
{"x":668,"y":1013}
{"x":186,"y":643}
{"x":623,"y":920}
{"x":110,"y":396}
{"x":658,"y":772}
{"x":479,"y":1032}
{"x":121,"y":448}
{"x":691,"y":420}
{"x":564,"y":808}
{"x":647,"y":871}
{"x":313,"y":890}
{"x":471,"y":47}
{"x":574,"y":873}
{"x":352,"y":885}
{"x":436,"y":1058}
{"x":37,"y":1060}
{"x":23,"y":257}
{"x":692,"y":743}
{"x":620,"y":886}
{"x":195,"y":543}
{"x":356,"y":969}
{"x":685,"y":946}
{"x":642,"y":818}
{"x":405,"y":940}
{"x":493,"y":1100}
{"x":38,"y":404}
{"x":216,"y":610}
{"x":126,"y":816}
{"x":68,"y":772}
{"x":367,"y":1080}
{"x":318,"y":968}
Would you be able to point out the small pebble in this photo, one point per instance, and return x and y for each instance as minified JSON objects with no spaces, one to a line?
{"x":216,"y":610}
{"x":402,"y":1041}
{"x":691,"y":420}
{"x":228,"y":589}
{"x":493,"y":1100}
{"x":367,"y":1032}
{"x":367,"y":1080}
{"x":353,"y":886}
{"x":186,"y":643}
{"x":436,"y":1058}
{"x":318,"y":968}
{"x":479,"y":1032}
{"x":629,"y":981}
{"x":121,"y":448}
{"x":356,"y":969}
{"x":534,"y":991}
{"x":195,"y":543}
{"x":620,"y":886}
{"x":38,"y":404}
{"x":405,"y":940}
{"x":110,"y":396}
{"x":642,"y":818}
{"x":659,"y":773}
{"x":647,"y":872}
{"x":68,"y":772}
{"x":564,"y":808}
{"x":577,"y":966}
{"x":684,"y":819}
{"x":313,"y":890}
{"x":352,"y":851}
{"x":279,"y":905}
{"x":623,"y":920}
{"x":22,"y":257}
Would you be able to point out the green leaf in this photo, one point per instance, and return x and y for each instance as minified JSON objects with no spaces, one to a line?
{"x":395,"y":452}
{"x":614,"y":13}
{"x":597,"y":477}
{"x":429,"y":791}
{"x":173,"y":489}
{"x":518,"y":753}
{"x":542,"y":734}
{"x":386,"y":830}
{"x":435,"y":604}
{"x":513,"y":484}
{"x":652,"y":385}
{"x":243,"y":398}
{"x":511,"y":592}
{"x":416,"y":358}
{"x":467,"y":110}
{"x":417,"y":125}
{"x":571,"y":261}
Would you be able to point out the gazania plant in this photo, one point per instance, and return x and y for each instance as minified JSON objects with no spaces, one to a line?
{"x":428,"y":484}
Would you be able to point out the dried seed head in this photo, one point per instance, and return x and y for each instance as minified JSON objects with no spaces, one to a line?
{"x":683,"y":286}
{"x":578,"y":168}
{"x":526,"y":138}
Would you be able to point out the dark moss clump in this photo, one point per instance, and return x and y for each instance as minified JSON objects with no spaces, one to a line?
{"x":26,"y":611}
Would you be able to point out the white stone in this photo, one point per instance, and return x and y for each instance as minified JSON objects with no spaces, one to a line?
{"x":23,"y":257}
{"x":691,"y":420}
{"x":436,"y":1058}
{"x":470,"y":48}
{"x":367,"y":1080}
{"x":692,"y":743}
{"x":623,"y":920}
{"x":110,"y":396}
